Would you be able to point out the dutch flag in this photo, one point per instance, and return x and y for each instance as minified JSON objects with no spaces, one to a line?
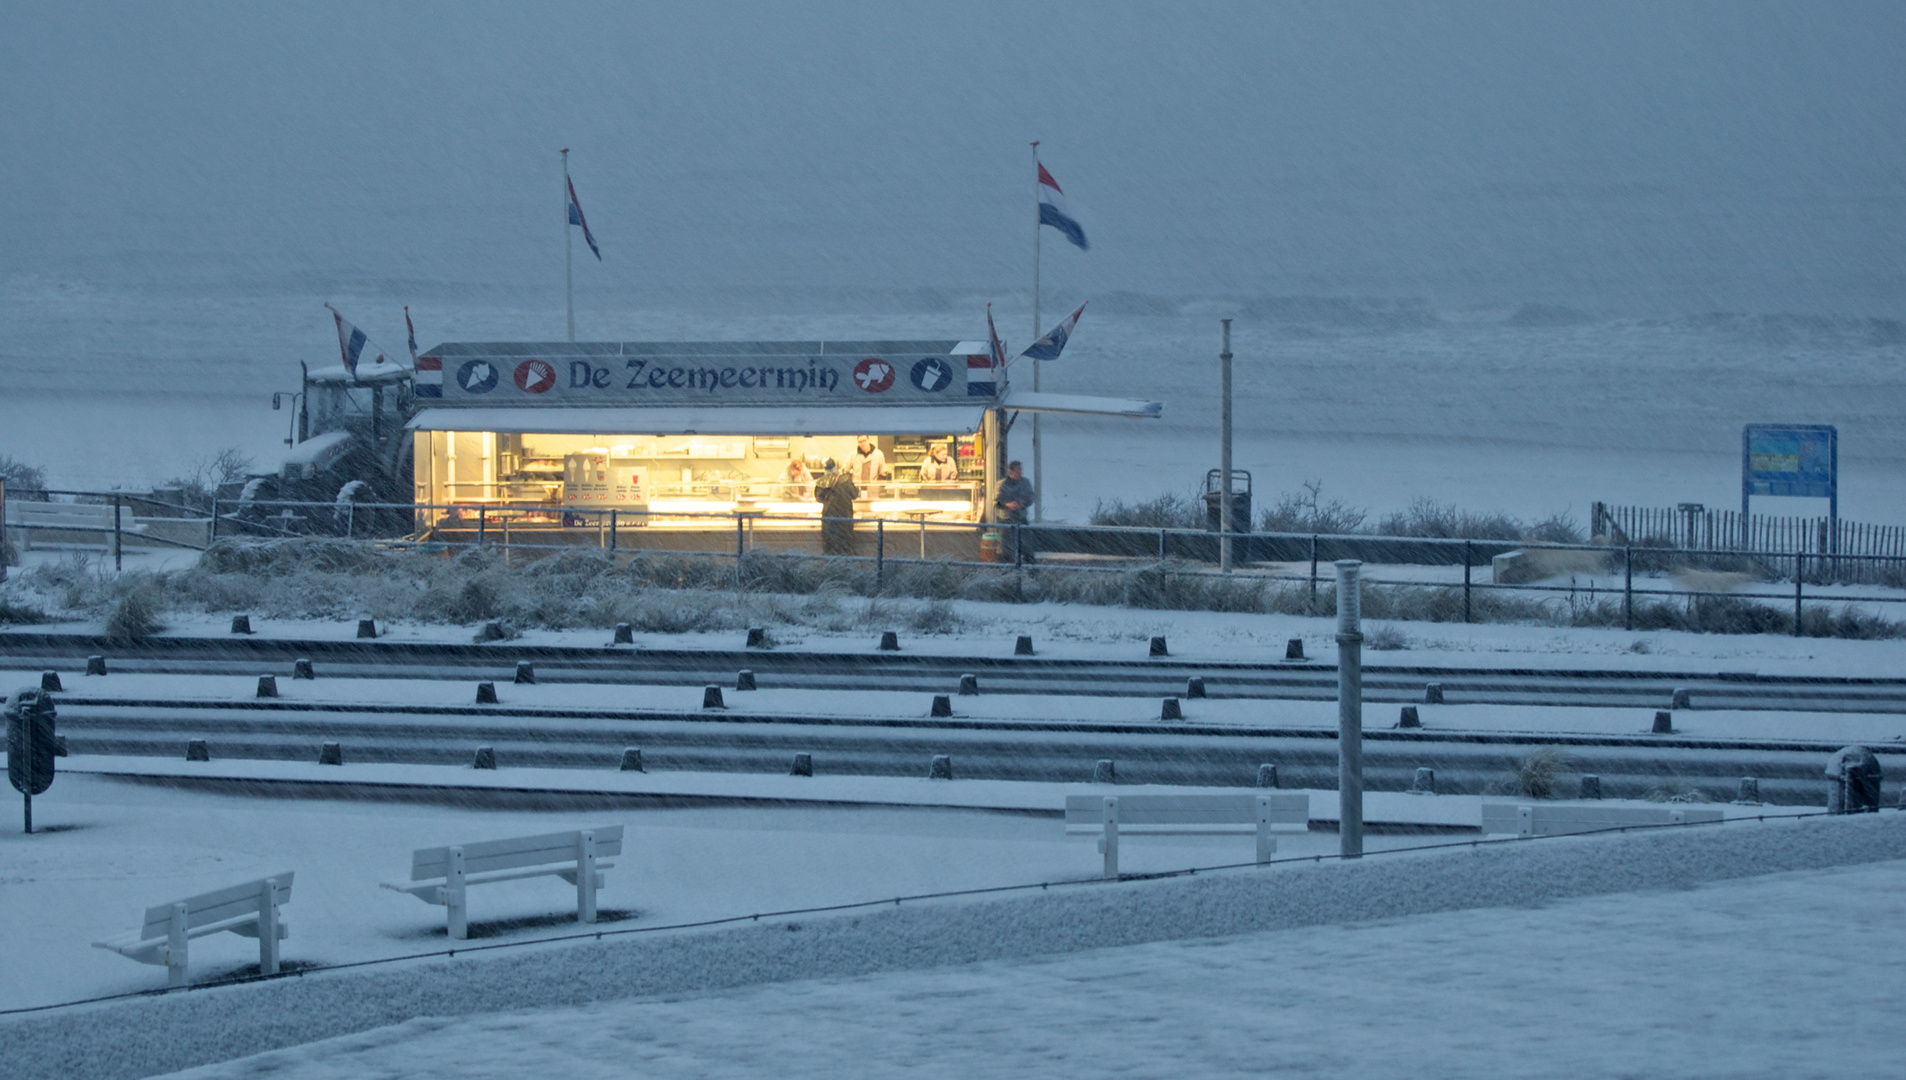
{"x":1054,"y":212}
{"x":982,"y":369}
{"x":429,"y":376}
{"x":352,"y":343}
{"x":412,"y":328}
{"x":1049,"y":347}
{"x":575,"y":218}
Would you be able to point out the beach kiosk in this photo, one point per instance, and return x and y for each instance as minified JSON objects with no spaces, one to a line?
{"x":695,"y":442}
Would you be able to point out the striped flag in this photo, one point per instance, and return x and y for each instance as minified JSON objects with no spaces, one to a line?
{"x":352,"y":343}
{"x":575,"y":217}
{"x":412,"y":327}
{"x":1049,"y":347}
{"x":983,"y":369}
{"x":1053,"y":210}
{"x":429,"y":377}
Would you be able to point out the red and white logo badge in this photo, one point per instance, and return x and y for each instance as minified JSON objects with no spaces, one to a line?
{"x":873,"y":375}
{"x":535,"y":376}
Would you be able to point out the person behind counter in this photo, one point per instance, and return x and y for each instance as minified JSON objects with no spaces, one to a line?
{"x":797,"y":482}
{"x":939,"y":466}
{"x":836,"y":492}
{"x":1015,"y":498}
{"x":868,"y":463}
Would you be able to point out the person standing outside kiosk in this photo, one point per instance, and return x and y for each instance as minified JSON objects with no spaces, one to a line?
{"x":1014,"y":500}
{"x":836,"y":492}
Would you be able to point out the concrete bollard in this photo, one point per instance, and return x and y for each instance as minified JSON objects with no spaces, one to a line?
{"x":1171,"y":710}
{"x":485,"y":758}
{"x":1104,"y":772}
{"x":1856,"y":781}
{"x":196,"y":750}
{"x":1750,"y":791}
{"x":494,"y":630}
{"x":267,"y":686}
{"x":1023,"y":647}
{"x":757,"y":637}
{"x":95,"y":665}
{"x":632,"y":759}
{"x":1683,"y":699}
{"x":1294,"y":649}
{"x":50,"y":680}
{"x":1409,"y":717}
{"x":241,"y":624}
{"x":331,"y":754}
{"x":711,"y":698}
{"x":889,"y":641}
{"x":1433,"y":693}
{"x":486,"y":693}
{"x":302,"y":669}
{"x":624,"y":634}
{"x":1664,"y":723}
{"x":525,"y":673}
{"x":803,"y":765}
{"x":744,"y":679}
{"x":941,"y":768}
{"x":1424,"y":783}
{"x":942,"y":706}
{"x":969,"y":685}
{"x":1591,"y":786}
{"x":1267,"y":776}
{"x":367,"y":628}
{"x":1194,"y":687}
{"x":1158,"y":647}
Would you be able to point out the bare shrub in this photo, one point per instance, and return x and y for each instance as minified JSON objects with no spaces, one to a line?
{"x":1164,"y":512}
{"x":1540,"y":771}
{"x":1305,"y":512}
{"x":1386,"y":639}
{"x":135,"y":615}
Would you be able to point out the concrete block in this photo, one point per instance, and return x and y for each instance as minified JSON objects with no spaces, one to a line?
{"x":942,"y":706}
{"x":1750,"y":791}
{"x":1171,"y":710}
{"x":196,"y":750}
{"x":1424,"y":783}
{"x":1591,"y":786}
{"x":1023,"y":646}
{"x":757,"y":637}
{"x":486,"y":693}
{"x":803,"y":765}
{"x":1433,"y":693}
{"x":624,"y":634}
{"x":969,"y":685}
{"x":1664,"y":723}
{"x":267,"y":686}
{"x":1158,"y":647}
{"x":1194,"y":687}
{"x":1408,"y":717}
{"x":95,"y":665}
{"x":632,"y":759}
{"x":711,"y":698}
{"x":367,"y":628}
{"x":941,"y":768}
{"x":50,"y":680}
{"x":241,"y":624}
{"x":1267,"y":776}
{"x":1683,"y":699}
{"x":302,"y":669}
{"x":744,"y":679}
{"x":889,"y":641}
{"x":1294,"y":649}
{"x":485,"y":758}
{"x":1104,"y":772}
{"x":525,"y":673}
{"x":331,"y":754}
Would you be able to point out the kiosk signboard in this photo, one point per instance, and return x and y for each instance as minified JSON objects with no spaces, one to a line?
{"x":1793,"y":460}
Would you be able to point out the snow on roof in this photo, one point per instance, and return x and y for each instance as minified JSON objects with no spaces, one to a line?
{"x":712,"y":420}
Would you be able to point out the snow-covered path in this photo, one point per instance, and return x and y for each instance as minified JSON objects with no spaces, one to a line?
{"x":1786,"y":976}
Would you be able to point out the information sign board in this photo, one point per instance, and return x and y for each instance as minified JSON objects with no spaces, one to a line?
{"x":1794,"y":460}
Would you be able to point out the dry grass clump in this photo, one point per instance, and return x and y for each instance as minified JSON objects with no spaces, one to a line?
{"x":1540,"y":772}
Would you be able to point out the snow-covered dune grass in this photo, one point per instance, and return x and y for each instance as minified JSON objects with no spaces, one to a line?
{"x":660,"y":592}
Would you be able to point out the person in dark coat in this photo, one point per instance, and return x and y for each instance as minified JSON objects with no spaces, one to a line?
{"x":836,"y":492}
{"x":1015,"y":498}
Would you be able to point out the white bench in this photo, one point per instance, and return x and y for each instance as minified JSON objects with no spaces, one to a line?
{"x":249,"y":910}
{"x":1111,"y":816}
{"x":1557,"y":819}
{"x":440,"y":875}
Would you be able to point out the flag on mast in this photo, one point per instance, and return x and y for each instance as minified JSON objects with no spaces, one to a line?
{"x":1053,"y":210}
{"x":983,"y":372}
{"x":575,"y":218}
{"x":1049,"y":347}
{"x":352,"y":343}
{"x":412,"y":328}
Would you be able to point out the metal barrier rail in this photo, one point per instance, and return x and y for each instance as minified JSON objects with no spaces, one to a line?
{"x":1134,"y":548}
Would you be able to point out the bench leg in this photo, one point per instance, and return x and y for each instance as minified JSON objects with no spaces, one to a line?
{"x":175,"y":947}
{"x":586,"y":876}
{"x":458,"y":914}
{"x":1266,"y":843}
{"x":1525,"y":821}
{"x":1109,"y":844}
{"x":268,"y":928}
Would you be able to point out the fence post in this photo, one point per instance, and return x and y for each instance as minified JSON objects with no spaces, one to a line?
{"x":1019,"y":554}
{"x":1161,"y":545}
{"x":118,"y":550}
{"x":880,"y":554}
{"x":1799,"y":571}
{"x":1468,"y":557}
{"x":612,"y":539}
{"x":350,"y":521}
{"x":1349,"y":709}
{"x":212,"y":533}
{"x":1311,"y":607}
{"x":483,"y":523}
{"x":1628,"y":588}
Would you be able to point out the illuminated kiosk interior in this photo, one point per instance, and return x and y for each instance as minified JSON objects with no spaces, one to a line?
{"x":675,"y":437}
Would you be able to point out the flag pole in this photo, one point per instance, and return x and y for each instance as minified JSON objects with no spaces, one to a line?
{"x":1038,"y":460}
{"x":569,"y":269}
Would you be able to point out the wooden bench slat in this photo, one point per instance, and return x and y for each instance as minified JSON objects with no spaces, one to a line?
{"x":487,"y":855}
{"x":1549,"y":820}
{"x":216,"y":906}
{"x":1137,"y":811}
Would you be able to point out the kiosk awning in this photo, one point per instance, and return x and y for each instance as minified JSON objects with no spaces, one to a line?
{"x":712,"y":420}
{"x":1080,"y":404}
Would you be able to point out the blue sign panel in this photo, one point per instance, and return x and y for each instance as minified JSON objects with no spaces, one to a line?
{"x":1790,"y":459}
